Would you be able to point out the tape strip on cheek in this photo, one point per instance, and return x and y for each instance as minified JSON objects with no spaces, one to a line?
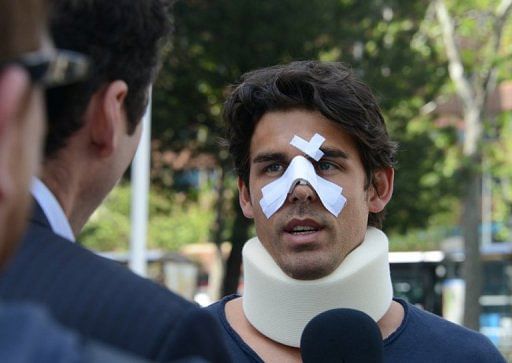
{"x":301,"y":169}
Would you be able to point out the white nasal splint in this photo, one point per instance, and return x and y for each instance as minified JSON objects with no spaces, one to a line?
{"x":301,"y":171}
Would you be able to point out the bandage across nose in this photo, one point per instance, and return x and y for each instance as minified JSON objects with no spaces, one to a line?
{"x":301,"y":171}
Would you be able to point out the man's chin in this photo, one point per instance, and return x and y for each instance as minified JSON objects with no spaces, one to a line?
{"x":305,"y":272}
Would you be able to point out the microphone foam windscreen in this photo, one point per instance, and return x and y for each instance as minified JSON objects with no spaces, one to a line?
{"x":341,"y":335}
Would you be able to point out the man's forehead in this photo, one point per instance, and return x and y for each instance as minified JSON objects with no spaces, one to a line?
{"x":288,"y":151}
{"x":283,"y":125}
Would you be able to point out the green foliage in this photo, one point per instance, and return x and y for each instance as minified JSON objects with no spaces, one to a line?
{"x":108,"y":229}
{"x":213,"y":44}
{"x":174,"y":221}
{"x":420,"y":239}
{"x":474,"y":23}
{"x":395,"y":46}
{"x":498,"y":150}
{"x":216,"y":41}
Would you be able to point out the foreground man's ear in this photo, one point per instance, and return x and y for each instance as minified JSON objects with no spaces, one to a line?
{"x":106,"y":115}
{"x":381,"y":190}
{"x":244,"y":198}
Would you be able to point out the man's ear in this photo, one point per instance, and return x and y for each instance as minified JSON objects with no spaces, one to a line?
{"x":108,"y":121}
{"x":381,"y":190}
{"x":245,"y":199}
{"x":14,"y":85}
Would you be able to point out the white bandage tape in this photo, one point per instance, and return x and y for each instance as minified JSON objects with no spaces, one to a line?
{"x":311,"y":147}
{"x":299,"y":170}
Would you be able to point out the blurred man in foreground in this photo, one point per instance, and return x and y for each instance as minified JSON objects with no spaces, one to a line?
{"x":93,"y":131}
{"x":29,"y":64}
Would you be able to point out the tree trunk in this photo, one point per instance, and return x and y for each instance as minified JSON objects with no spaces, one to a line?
{"x":239,"y":235}
{"x":218,"y":225}
{"x":215,"y":278}
{"x":472,"y":267}
{"x":473,"y":95}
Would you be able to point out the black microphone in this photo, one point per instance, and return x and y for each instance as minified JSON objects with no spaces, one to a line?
{"x":341,"y":335}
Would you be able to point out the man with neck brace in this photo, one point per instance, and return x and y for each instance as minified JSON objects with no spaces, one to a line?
{"x":315,"y":166}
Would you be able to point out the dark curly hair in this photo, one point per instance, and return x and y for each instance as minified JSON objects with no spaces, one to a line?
{"x":122,"y":39}
{"x":330,"y":88}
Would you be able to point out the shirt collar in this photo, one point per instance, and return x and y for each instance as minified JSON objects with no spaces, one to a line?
{"x":52,"y":209}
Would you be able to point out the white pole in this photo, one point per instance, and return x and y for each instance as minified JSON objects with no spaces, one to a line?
{"x":140,"y":196}
{"x":486,"y":205}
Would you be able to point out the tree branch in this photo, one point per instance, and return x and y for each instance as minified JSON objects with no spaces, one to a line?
{"x":501,"y":16}
{"x":455,"y":66}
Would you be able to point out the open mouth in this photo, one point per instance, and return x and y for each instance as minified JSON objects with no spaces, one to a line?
{"x":302,"y":227}
{"x":303,"y":230}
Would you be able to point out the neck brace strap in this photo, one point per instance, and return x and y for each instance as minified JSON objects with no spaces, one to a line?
{"x":279,"y":307}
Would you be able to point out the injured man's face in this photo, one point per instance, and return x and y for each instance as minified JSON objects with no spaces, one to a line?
{"x":306,"y":192}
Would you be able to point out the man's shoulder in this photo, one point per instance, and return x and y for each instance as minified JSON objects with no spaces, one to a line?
{"x":219,"y":305}
{"x":43,"y":252}
{"x":239,"y":350}
{"x":435,"y":325}
{"x":28,"y":334}
{"x":432,"y":336}
{"x":91,"y":294}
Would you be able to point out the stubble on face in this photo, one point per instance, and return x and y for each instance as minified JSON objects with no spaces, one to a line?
{"x":301,"y":262}
{"x":336,"y":236}
{"x":310,"y":262}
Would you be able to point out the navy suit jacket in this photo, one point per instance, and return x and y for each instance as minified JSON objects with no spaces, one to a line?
{"x":28,"y":334}
{"x":105,"y":301}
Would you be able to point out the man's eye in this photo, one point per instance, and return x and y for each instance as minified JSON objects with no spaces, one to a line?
{"x":273,"y":169}
{"x":325,"y":166}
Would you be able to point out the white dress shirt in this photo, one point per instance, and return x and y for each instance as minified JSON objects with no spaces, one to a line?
{"x":52,"y":209}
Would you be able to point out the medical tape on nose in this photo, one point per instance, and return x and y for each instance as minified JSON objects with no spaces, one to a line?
{"x":301,"y":170}
{"x":311,"y":147}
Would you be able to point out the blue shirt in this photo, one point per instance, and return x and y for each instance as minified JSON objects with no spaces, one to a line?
{"x":421,"y":338}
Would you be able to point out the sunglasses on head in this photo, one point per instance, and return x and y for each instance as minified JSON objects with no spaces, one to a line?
{"x":59,"y":68}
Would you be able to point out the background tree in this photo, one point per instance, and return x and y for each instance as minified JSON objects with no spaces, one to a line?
{"x":473,"y":43}
{"x":395,"y":46}
{"x":216,"y":41}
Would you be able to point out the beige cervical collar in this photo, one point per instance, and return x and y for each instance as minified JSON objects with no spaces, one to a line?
{"x":279,"y":307}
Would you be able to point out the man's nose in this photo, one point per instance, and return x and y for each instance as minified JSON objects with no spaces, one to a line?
{"x":302,"y":192}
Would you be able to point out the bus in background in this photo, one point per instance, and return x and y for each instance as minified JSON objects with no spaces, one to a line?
{"x":433,"y":281}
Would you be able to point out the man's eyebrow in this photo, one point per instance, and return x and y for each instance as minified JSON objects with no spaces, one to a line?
{"x":334,"y":152}
{"x":270,"y":156}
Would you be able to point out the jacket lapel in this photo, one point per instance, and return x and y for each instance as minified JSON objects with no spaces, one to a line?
{"x":37,"y":216}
